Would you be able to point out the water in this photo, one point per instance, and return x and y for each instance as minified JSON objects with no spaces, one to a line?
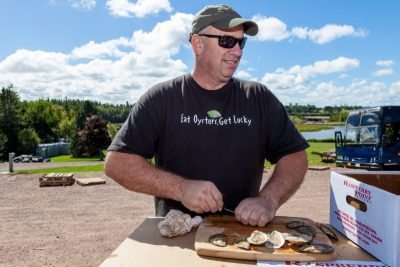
{"x":323,"y":134}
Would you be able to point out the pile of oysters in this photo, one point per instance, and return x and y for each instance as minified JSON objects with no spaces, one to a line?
{"x":301,"y":239}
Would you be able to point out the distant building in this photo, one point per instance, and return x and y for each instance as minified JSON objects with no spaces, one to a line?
{"x":317,"y":119}
{"x":52,"y":150}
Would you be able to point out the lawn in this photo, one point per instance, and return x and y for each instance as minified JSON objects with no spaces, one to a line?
{"x":69,"y":158}
{"x":89,"y":168}
{"x":313,"y":160}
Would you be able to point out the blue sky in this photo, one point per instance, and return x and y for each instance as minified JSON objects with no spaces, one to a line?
{"x":330,"y":52}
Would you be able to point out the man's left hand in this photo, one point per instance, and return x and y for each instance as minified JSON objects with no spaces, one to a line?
{"x":256,"y":211}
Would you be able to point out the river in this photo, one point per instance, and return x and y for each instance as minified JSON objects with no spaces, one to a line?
{"x":323,"y":134}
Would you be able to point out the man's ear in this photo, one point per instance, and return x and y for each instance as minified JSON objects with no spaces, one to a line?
{"x":197,"y":44}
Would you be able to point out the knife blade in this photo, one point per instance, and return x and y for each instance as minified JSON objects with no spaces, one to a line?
{"x":229,"y":210}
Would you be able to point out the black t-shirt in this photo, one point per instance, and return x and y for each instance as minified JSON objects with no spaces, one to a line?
{"x":222,"y":135}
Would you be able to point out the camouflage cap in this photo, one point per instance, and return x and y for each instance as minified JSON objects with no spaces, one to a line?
{"x":222,"y":17}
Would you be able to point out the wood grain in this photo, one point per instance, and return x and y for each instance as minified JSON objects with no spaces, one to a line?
{"x":229,"y":226}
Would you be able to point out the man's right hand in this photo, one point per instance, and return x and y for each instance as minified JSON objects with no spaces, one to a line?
{"x":201,"y":196}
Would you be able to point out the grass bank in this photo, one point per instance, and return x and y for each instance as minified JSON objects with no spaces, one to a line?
{"x":313,"y":160}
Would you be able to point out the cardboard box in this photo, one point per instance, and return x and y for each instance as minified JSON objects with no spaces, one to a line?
{"x":365,"y":207}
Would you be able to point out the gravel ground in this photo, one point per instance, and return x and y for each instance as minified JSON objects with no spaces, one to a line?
{"x":81,"y":226}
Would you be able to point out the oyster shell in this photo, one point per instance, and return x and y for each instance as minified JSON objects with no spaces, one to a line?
{"x":317,"y":248}
{"x":218,"y":240}
{"x":307,"y":230}
{"x":275,"y":240}
{"x":177,"y":223}
{"x":296,"y":238}
{"x":241,"y":242}
{"x":328,"y":231}
{"x":294,"y":224}
{"x":257,"y":238}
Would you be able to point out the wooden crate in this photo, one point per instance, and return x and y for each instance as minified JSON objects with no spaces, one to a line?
{"x":90,"y":181}
{"x":56,"y":179}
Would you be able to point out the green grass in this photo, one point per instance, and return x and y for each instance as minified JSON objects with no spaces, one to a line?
{"x":69,"y":158}
{"x":313,"y":160}
{"x":90,"y":168}
{"x":317,"y":147}
{"x":312,"y":127}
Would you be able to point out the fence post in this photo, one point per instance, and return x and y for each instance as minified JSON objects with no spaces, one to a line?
{"x":11,"y":162}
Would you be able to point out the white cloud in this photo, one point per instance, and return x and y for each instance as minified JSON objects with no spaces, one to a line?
{"x":273,"y":29}
{"x":384,"y":63}
{"x":111,"y":48}
{"x":83,"y":4}
{"x":383,"y":72}
{"x":116,"y":70}
{"x":125,"y":8}
{"x":395,"y":90}
{"x":297,"y":76}
{"x":330,"y":32}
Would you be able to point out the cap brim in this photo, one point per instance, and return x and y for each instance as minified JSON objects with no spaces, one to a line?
{"x":249,"y":27}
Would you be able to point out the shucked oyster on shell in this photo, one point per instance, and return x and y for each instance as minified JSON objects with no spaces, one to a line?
{"x":296,"y":238}
{"x":242,"y":243}
{"x":177,"y":223}
{"x":275,"y":240}
{"x":218,"y":240}
{"x":317,"y":248}
{"x":257,"y":238}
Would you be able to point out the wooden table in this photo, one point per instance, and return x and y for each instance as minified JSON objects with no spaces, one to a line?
{"x":146,"y":247}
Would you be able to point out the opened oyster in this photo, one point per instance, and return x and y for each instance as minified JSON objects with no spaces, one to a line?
{"x":274,"y":240}
{"x":317,"y":248}
{"x":177,"y":223}
{"x":218,"y":240}
{"x":296,"y":238}
{"x":241,"y":242}
{"x":257,"y":238}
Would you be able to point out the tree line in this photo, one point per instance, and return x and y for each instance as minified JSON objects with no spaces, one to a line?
{"x":89,"y":126}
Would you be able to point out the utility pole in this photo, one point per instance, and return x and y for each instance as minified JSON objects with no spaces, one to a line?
{"x":11,"y":162}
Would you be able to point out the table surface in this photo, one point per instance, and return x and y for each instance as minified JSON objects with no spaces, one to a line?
{"x":146,"y":247}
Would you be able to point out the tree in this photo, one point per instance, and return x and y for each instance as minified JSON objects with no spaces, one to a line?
{"x":3,"y":141}
{"x":28,"y":140}
{"x":93,"y":138}
{"x":10,"y":118}
{"x":44,"y":117}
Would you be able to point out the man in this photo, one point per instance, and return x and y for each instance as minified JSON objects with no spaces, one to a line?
{"x":210,"y":133}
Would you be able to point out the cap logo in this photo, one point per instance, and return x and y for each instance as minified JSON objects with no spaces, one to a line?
{"x":224,"y":8}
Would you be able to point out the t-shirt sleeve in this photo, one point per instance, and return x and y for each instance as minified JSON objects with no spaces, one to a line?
{"x":140,"y":132}
{"x":282,"y":136}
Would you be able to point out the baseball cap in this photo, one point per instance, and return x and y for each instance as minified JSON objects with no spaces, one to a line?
{"x":222,"y":17}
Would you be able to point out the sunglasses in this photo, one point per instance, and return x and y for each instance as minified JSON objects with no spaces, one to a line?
{"x":226,"y":41}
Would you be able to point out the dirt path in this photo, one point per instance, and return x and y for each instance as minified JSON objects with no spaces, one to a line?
{"x":81,"y":226}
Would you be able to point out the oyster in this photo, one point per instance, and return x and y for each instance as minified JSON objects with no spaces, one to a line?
{"x":296,"y":238}
{"x":317,"y":248}
{"x":328,"y":231}
{"x":241,"y":242}
{"x":218,"y":240}
{"x":257,"y":238}
{"x":307,"y":230}
{"x":295,"y":224}
{"x":275,"y":240}
{"x":177,"y":223}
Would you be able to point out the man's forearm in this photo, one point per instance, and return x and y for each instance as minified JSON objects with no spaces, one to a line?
{"x":136,"y":174}
{"x":287,"y":177}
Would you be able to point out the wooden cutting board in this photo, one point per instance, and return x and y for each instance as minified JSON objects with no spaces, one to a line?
{"x":229,"y":226}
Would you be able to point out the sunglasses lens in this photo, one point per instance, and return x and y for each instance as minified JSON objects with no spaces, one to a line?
{"x":230,"y":42}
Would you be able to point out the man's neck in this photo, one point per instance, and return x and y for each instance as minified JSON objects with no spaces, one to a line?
{"x":206,"y":82}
